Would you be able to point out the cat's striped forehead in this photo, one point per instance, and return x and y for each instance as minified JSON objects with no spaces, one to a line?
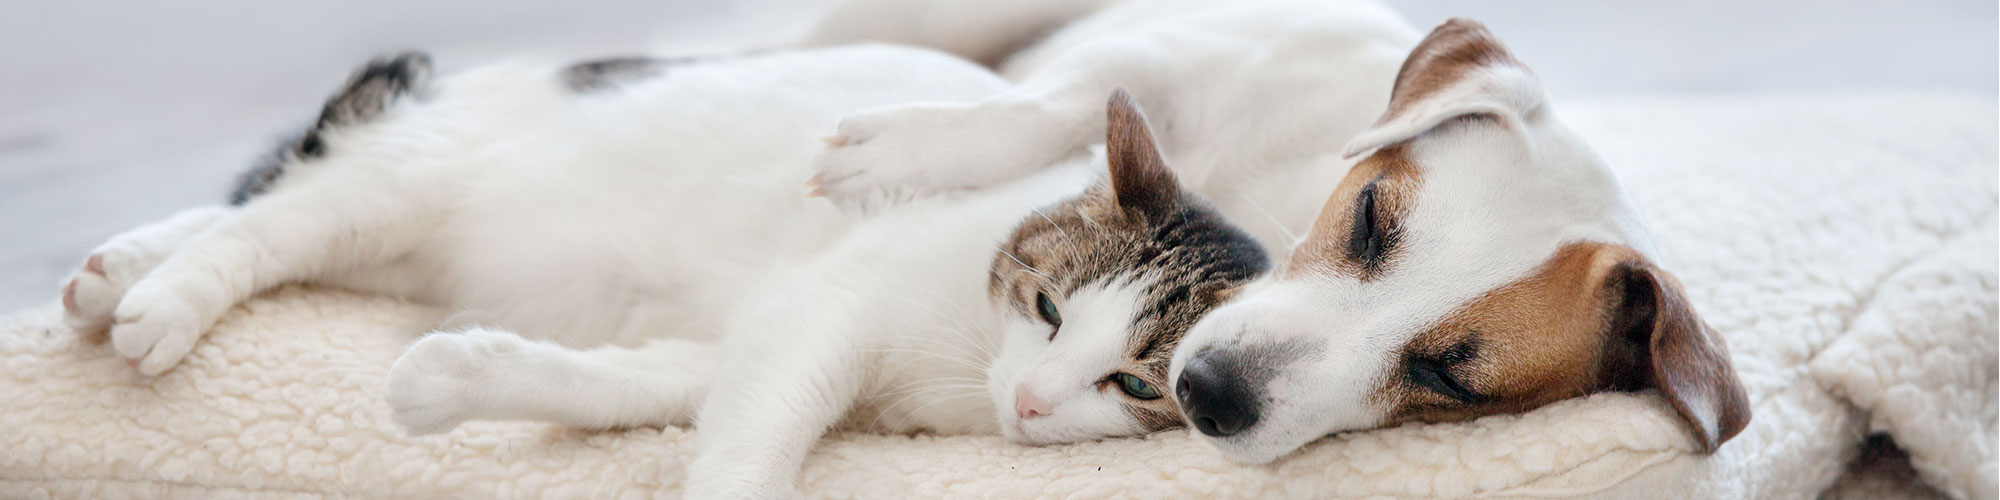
{"x":1186,"y":258}
{"x":1181,"y":265}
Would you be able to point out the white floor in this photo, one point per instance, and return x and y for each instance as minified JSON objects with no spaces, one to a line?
{"x":116,"y":112}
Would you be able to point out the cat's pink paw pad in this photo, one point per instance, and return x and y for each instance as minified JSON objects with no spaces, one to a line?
{"x":95,"y":264}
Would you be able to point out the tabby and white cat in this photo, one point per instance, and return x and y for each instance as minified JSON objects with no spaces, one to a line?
{"x":649,"y":212}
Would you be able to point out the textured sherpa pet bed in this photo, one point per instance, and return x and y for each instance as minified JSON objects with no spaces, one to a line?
{"x":1844,"y":246}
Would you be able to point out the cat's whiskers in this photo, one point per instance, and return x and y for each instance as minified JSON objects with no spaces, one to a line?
{"x":962,"y":362}
{"x":901,"y":364}
{"x":979,"y":339}
{"x":982,"y":339}
{"x":916,"y":386}
{"x":883,"y":410}
{"x":1030,"y":269}
{"x":971,"y":381}
{"x":973,"y":361}
{"x":987,"y":353}
{"x":978,"y":351}
{"x":920,"y":388}
{"x":1291,"y":237}
{"x":973,"y":332}
{"x":914,"y":411}
{"x":920,"y":382}
{"x":974,"y":357}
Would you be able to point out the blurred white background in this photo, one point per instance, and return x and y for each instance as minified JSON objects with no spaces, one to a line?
{"x":116,"y":112}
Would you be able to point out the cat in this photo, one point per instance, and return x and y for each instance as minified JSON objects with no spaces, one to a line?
{"x":628,"y":247}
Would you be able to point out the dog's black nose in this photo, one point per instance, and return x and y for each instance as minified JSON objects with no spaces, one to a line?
{"x":1217,"y":398}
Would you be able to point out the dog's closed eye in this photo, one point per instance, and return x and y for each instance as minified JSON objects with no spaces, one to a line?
{"x":1373,"y":235}
{"x":1435,"y":372}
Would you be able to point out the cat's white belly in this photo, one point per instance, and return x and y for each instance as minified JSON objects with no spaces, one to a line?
{"x":668,"y":256}
{"x":649,"y":214}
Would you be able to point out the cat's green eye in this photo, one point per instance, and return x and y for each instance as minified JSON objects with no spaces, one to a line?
{"x":1048,"y":310}
{"x":1138,"y":389}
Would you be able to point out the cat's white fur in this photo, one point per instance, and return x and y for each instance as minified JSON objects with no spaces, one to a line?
{"x":428,"y":202}
{"x":645,"y":255}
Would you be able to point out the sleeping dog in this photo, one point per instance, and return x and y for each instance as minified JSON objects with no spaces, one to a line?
{"x":1474,"y":257}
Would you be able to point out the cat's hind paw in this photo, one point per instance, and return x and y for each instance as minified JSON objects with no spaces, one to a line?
{"x":433,"y":386}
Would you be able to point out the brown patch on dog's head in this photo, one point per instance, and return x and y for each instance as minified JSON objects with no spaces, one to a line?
{"x":1359,"y":230}
{"x":1137,"y":226}
{"x":1447,"y":76}
{"x":1453,"y":49}
{"x":1459,"y":70}
{"x":1595,"y":317}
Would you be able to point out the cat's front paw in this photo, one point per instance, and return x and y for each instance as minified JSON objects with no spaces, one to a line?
{"x":92,"y":292}
{"x":154,"y":328}
{"x":89,"y":296}
{"x":915,"y":150}
{"x":431,"y":386}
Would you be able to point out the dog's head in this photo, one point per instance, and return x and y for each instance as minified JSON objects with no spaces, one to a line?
{"x":1481,"y":260}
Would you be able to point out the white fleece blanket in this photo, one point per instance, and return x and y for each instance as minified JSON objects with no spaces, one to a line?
{"x":1845,"y":247}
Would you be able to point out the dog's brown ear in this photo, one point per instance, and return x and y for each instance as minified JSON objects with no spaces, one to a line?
{"x":1140,"y":177}
{"x":1666,"y":347}
{"x":1459,"y":70}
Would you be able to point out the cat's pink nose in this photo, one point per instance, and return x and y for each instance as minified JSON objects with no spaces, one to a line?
{"x":1027,"y":405}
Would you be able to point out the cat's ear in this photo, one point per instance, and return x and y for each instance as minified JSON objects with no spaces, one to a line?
{"x":1140,"y":179}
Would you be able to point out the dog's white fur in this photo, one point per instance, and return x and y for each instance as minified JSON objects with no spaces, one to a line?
{"x":1255,"y":101}
{"x":1245,"y":96}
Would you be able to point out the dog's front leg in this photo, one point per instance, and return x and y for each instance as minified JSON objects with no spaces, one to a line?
{"x":913,"y":150}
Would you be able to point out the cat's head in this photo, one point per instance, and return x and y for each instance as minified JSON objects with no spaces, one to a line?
{"x":1098,"y":291}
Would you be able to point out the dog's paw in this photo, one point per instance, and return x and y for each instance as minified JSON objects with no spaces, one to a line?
{"x":889,"y":150}
{"x":432,"y":386}
{"x":915,"y":150}
{"x":153,"y":328}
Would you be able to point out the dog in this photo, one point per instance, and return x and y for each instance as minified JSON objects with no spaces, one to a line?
{"x":1465,"y":254}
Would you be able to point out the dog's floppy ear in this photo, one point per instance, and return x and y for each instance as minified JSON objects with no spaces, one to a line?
{"x":1459,"y":70}
{"x":1140,"y":178}
{"x":1667,"y":347}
